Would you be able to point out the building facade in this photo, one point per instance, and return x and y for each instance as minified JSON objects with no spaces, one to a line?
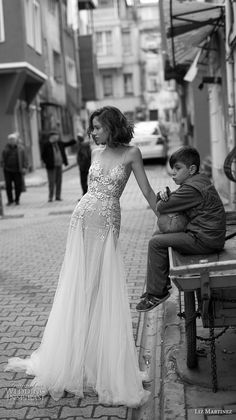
{"x":22,"y":72}
{"x":116,"y":38}
{"x":60,"y":97}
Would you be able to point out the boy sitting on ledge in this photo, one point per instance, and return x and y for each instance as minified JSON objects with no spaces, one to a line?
{"x":204,"y":232}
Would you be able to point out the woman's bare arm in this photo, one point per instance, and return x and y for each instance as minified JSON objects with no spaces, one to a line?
{"x":141,"y":177}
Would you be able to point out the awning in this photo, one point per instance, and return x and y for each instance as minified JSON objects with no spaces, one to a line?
{"x":188,"y":24}
{"x":190,"y":15}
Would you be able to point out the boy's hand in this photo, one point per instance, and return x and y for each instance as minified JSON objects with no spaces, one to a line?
{"x":164,"y":194}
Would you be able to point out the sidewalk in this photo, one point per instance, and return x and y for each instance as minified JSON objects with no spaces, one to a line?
{"x":35,"y":199}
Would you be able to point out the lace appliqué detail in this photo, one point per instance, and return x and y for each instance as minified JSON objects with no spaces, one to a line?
{"x":87,"y":204}
{"x":99,"y":208}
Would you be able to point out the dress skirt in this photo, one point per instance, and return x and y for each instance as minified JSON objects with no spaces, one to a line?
{"x":88,"y":340}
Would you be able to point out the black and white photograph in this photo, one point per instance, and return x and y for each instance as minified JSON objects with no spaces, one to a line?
{"x":118,"y":209}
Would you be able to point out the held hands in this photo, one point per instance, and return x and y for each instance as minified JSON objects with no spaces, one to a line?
{"x":163,"y":194}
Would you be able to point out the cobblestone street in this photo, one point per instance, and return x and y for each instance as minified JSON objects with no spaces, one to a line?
{"x":33,"y":238}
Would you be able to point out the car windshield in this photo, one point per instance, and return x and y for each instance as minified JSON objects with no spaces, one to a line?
{"x":146,"y":127}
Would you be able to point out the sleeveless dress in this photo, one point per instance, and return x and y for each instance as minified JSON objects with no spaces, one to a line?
{"x":88,"y":340}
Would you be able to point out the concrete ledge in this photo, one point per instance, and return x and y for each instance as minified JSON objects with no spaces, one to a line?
{"x":172,"y":393}
{"x":149,"y":360}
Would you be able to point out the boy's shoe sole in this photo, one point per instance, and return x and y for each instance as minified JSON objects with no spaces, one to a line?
{"x":169,"y":287}
{"x":151,"y":302}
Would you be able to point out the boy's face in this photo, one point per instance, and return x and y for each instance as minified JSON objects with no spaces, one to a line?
{"x":180,"y":172}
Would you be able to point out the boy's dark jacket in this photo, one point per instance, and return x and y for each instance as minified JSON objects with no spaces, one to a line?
{"x":206,"y":214}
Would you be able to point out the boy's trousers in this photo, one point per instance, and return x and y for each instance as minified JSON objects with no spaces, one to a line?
{"x":158,"y":259}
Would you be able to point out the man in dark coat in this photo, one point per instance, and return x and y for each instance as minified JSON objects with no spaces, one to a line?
{"x":83,"y":160}
{"x":53,"y":155}
{"x":14,"y":161}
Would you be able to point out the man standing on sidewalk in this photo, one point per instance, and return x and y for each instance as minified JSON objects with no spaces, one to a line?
{"x":53,"y":155}
{"x":14,"y":162}
{"x":83,"y":160}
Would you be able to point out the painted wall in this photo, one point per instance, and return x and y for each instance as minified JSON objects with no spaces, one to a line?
{"x":15,"y":49}
{"x":51,"y":40}
{"x":7,"y":120}
{"x":202,"y":118}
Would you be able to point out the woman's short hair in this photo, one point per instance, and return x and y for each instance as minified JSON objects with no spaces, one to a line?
{"x":187,"y":155}
{"x":120,"y":129}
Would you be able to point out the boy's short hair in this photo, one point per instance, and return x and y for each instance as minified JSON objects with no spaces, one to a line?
{"x":187,"y":155}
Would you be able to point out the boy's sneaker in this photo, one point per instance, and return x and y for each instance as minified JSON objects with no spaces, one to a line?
{"x":150,"y":302}
{"x":168,"y":287}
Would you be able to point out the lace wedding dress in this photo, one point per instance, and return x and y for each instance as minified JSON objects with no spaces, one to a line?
{"x":88,"y":340}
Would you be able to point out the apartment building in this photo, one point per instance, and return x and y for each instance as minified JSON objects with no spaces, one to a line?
{"x":60,"y":99}
{"x":115,"y":42}
{"x":22,"y":72}
{"x":158,"y":96}
{"x":39,"y":73}
{"x":128,"y":70}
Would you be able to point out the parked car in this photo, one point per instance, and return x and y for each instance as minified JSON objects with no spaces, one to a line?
{"x":150,"y":140}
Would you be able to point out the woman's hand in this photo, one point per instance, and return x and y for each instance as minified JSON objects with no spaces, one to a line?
{"x":164,"y":194}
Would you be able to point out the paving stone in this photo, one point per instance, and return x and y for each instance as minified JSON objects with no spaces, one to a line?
{"x":8,"y":414}
{"x":86,"y":412}
{"x":52,"y":413}
{"x":121,"y":412}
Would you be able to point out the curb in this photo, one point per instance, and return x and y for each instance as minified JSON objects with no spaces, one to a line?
{"x":172,"y":392}
{"x":150,"y":360}
{"x":160,"y":329}
{"x":42,"y":182}
{"x":150,"y":350}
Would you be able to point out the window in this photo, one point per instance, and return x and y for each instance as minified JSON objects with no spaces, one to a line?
{"x":37,"y":28}
{"x":29,"y":22}
{"x":107,"y":85}
{"x":2,"y":29}
{"x":71,"y":72}
{"x":105,"y":3}
{"x":153,"y":114}
{"x":152,"y":83}
{"x":33,"y":25}
{"x":126,"y":42}
{"x":52,"y":6}
{"x":128,"y":84}
{"x":104,"y":43}
{"x":57,"y":67}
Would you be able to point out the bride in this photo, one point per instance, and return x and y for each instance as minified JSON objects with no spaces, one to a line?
{"x":88,"y":340}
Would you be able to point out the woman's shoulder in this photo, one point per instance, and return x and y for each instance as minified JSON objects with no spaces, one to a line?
{"x":95,"y":150}
{"x":133,"y":152}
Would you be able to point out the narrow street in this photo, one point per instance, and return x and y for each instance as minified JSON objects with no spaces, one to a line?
{"x":33,"y":237}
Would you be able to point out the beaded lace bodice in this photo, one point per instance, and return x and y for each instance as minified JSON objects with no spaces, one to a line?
{"x":107,"y":185}
{"x":99,"y":208}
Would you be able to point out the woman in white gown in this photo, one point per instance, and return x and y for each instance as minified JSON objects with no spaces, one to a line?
{"x":88,"y":339}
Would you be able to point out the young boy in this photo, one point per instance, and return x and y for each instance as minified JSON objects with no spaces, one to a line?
{"x":205,"y":231}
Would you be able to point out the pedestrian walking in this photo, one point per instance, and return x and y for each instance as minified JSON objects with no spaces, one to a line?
{"x":23,"y":184}
{"x":54,"y":156}
{"x":14,"y":162}
{"x":88,"y":340}
{"x":204,"y":233}
{"x":83,"y":160}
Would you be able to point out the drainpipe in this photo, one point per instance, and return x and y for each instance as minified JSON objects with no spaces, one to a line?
{"x":63,"y":52}
{"x":230,"y":72}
